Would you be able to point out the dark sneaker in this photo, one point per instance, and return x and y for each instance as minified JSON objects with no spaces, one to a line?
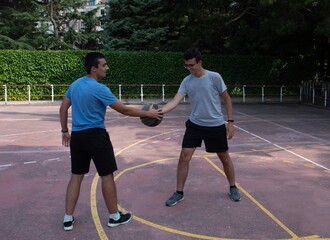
{"x":176,"y":197}
{"x":124,"y":218}
{"x":234,"y":194}
{"x":68,"y":226}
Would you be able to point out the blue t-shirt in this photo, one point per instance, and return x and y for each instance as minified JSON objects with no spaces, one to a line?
{"x":204,"y":96}
{"x":89,"y":100}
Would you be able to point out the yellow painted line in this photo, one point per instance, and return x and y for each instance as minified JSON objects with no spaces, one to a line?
{"x":309,"y":165}
{"x":327,"y":171}
{"x":144,"y":140}
{"x":153,"y":162}
{"x":292,"y":234}
{"x":99,"y":226}
{"x":171,"y":230}
{"x":161,"y":227}
{"x":95,"y":215}
{"x":94,"y":211}
{"x":267,"y":158}
{"x":142,"y":165}
{"x":287,"y":161}
{"x":311,"y":237}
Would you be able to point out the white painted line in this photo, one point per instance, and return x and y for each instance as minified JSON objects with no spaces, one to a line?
{"x":20,"y":119}
{"x":287,"y":128}
{"x":6,"y":140}
{"x":35,"y":151}
{"x":283,"y":148}
{"x":53,"y":159}
{"x":30,"y":162}
{"x":26,"y":133}
{"x":6,"y":165}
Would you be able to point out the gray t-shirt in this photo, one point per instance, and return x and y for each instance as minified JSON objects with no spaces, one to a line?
{"x":204,"y":96}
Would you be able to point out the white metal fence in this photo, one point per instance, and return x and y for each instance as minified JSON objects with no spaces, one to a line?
{"x":316,"y":93}
{"x":140,"y":92}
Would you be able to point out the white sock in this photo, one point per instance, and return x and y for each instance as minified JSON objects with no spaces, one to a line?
{"x":114,"y":216}
{"x":67,"y":218}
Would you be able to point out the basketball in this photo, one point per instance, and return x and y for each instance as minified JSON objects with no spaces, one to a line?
{"x":150,"y":122}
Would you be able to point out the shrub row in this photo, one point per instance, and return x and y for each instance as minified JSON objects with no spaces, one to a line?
{"x":63,"y":67}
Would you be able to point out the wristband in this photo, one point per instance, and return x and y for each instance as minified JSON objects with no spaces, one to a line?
{"x":64,"y":131}
{"x":230,"y":120}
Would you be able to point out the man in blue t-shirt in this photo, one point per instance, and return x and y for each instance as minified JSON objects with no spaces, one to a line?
{"x":90,"y":140}
{"x":206,"y":122}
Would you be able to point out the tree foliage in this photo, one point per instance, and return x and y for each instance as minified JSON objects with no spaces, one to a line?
{"x":135,"y":25}
{"x":47,"y":24}
{"x":292,"y":29}
{"x":17,"y":24}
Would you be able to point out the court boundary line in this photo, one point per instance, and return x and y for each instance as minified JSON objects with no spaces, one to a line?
{"x":193,"y":235}
{"x":283,"y":148}
{"x":101,"y":230}
{"x":95,"y":216}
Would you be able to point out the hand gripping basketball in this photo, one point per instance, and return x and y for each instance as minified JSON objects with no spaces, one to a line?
{"x":150,"y":122}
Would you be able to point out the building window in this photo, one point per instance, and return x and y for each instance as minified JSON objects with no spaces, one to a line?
{"x":91,"y":3}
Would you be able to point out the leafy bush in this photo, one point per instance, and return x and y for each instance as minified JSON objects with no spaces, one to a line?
{"x":19,"y":67}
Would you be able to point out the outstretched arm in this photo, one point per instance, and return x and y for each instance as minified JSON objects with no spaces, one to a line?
{"x":173,"y":103}
{"x":134,"y":112}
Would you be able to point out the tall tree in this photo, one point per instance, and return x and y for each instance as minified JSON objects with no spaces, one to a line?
{"x":17,"y":24}
{"x":94,"y":38}
{"x":135,"y":25}
{"x":286,"y":28}
{"x":62,"y":16}
{"x":292,"y":29}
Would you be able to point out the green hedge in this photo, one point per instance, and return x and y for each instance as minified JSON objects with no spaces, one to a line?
{"x":63,"y":67}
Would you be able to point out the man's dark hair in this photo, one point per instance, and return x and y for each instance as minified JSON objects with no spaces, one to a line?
{"x":92,"y":60}
{"x":192,"y":53}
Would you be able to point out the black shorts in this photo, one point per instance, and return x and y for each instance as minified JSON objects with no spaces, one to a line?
{"x":93,"y":144}
{"x":215,"y":138}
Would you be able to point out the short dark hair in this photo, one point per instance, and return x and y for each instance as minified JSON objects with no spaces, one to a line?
{"x":191,"y":53}
{"x":92,"y":60}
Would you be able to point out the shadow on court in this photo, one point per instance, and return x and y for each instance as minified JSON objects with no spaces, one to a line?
{"x":281,"y":157}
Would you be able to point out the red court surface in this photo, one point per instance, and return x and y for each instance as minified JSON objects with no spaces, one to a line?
{"x":282,"y":161}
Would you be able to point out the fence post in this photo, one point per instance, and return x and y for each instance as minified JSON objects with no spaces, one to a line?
{"x":325,"y":97}
{"x":300,"y":93}
{"x":52,"y":86}
{"x":281,"y":94}
{"x":6,"y":94}
{"x":313,"y":98}
{"x":29,"y":93}
{"x":141,"y":92}
{"x":244,"y":86}
{"x":163,"y":92}
{"x":119,"y":92}
{"x":263,"y":94}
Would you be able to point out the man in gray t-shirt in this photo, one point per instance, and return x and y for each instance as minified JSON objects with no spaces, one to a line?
{"x":206,"y":121}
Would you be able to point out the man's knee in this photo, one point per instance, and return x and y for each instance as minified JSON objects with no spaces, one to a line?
{"x":224,"y":157}
{"x":108,"y":177}
{"x":186,"y":155}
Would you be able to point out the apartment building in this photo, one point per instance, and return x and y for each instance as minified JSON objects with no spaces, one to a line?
{"x":89,"y":6}
{"x":78,"y":25}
